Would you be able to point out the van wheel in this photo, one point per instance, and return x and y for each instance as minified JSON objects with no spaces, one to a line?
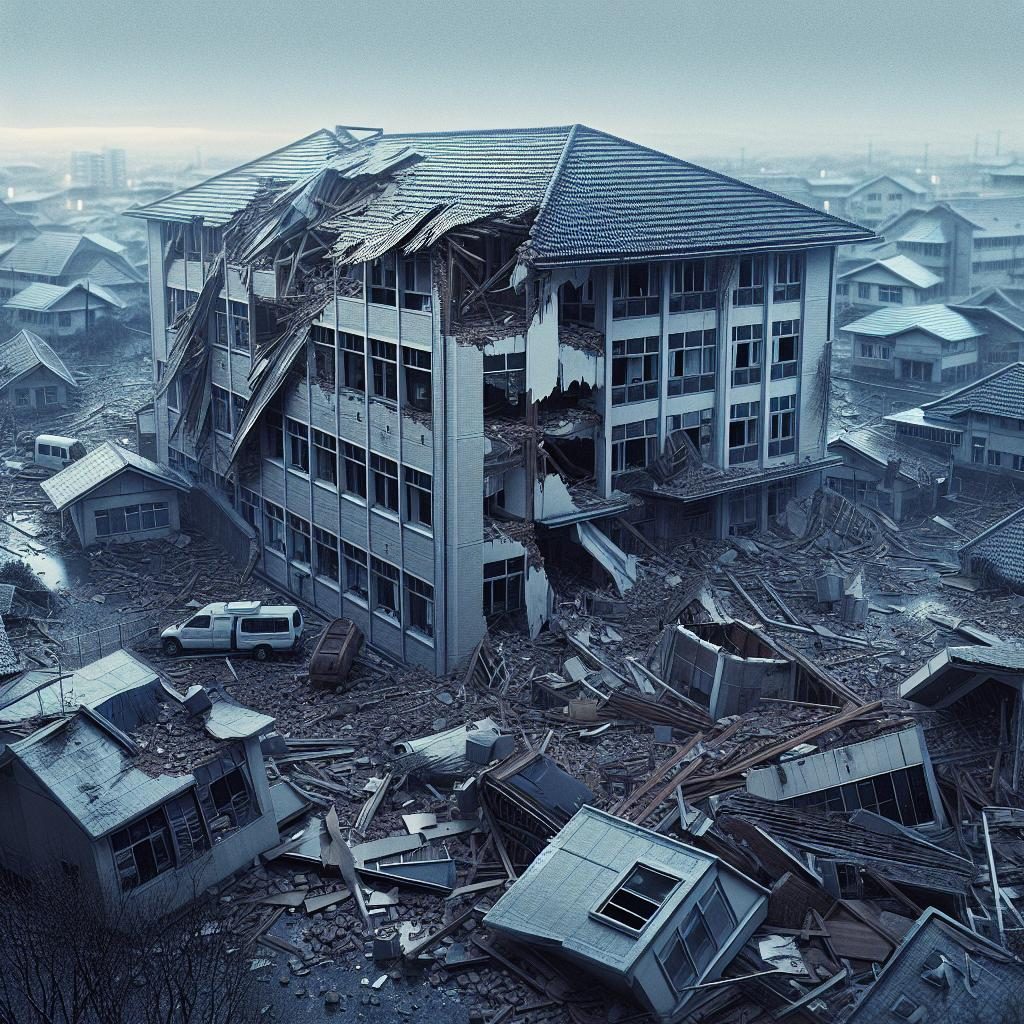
{"x":261,"y":653}
{"x":172,"y":647}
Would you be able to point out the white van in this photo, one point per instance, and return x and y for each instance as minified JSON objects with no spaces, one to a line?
{"x":56,"y":452}
{"x":236,"y":626}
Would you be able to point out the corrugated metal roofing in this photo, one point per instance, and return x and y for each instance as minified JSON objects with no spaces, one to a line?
{"x":999,"y":394}
{"x":926,"y":228}
{"x":100,"y":465}
{"x":24,"y":352}
{"x":941,"y":321}
{"x":903,"y":267}
{"x":42,"y":297}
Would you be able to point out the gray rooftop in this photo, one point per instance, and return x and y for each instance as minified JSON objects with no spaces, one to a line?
{"x":24,"y":352}
{"x":938,"y":320}
{"x":1000,"y":393}
{"x":880,"y":446}
{"x":42,"y":297}
{"x":52,"y":253}
{"x":100,"y":465}
{"x":1001,"y":549}
{"x":902,"y":267}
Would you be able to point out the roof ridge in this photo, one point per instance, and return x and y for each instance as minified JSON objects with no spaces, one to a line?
{"x":974,"y":384}
{"x":555,"y":176}
{"x":1005,"y":521}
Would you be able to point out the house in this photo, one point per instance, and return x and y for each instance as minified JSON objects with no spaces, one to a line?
{"x":1008,"y":178}
{"x":56,"y":310}
{"x":955,"y":672}
{"x":14,"y":226}
{"x":112,"y":494}
{"x":33,"y":378}
{"x":382,"y":431}
{"x":887,"y":472}
{"x":943,"y":971}
{"x":894,"y":281}
{"x":87,"y":792}
{"x":642,"y":912}
{"x":64,"y":258}
{"x":998,"y":552}
{"x":881,"y":198}
{"x":890,"y":775}
{"x":971,"y":243}
{"x":978,"y":428}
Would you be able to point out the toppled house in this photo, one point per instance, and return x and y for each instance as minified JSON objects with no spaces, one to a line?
{"x":639,"y":910}
{"x":890,"y":281}
{"x":997,"y":553}
{"x":33,"y":378}
{"x":943,"y":971}
{"x":138,"y":792}
{"x":890,"y":775}
{"x":378,"y":346}
{"x":956,"y":672}
{"x":56,"y":310}
{"x":112,"y":494}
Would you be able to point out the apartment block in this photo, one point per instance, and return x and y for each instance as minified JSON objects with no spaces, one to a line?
{"x":428,"y":369}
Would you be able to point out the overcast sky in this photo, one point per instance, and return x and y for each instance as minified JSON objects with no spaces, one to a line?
{"x":710,"y":77}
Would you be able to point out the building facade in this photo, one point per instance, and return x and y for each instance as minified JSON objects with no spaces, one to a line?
{"x":419,"y":403}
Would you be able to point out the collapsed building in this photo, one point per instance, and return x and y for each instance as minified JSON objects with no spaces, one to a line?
{"x":425,"y":366}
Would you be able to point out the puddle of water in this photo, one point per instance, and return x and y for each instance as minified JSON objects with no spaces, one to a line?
{"x":54,"y":571}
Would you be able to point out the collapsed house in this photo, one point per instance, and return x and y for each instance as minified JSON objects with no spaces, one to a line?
{"x":998,"y":552}
{"x":376,"y":348}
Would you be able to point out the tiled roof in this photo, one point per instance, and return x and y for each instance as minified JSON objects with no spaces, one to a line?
{"x":994,"y":215}
{"x":1001,"y":393}
{"x":879,"y":445}
{"x":220,"y":198}
{"x":903,"y":267}
{"x":599,"y":197}
{"x":1001,"y":549}
{"x":42,"y":297}
{"x":24,"y":352}
{"x":1004,"y":655}
{"x":926,"y":227}
{"x":939,"y":320}
{"x":100,"y":465}
{"x":10,"y":663}
{"x":51,"y":252}
{"x":906,"y":183}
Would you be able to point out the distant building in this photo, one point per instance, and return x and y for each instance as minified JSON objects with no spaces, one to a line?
{"x":1009,"y":178}
{"x":54,"y":310}
{"x":113,"y":494}
{"x":896,"y":281}
{"x":14,"y":226}
{"x":639,"y":910}
{"x":105,"y":170}
{"x":33,"y":378}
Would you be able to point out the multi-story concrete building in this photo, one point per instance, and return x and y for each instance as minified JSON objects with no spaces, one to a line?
{"x":426,"y":368}
{"x":106,"y":169}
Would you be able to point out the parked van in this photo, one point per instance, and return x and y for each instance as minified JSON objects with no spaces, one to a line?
{"x":56,"y":452}
{"x":236,"y":626}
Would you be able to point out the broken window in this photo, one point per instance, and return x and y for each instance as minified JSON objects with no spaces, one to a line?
{"x":383,"y":280}
{"x":143,"y":850}
{"x":637,"y":898}
{"x":694,"y":286}
{"x":355,"y":582}
{"x":384,"y":473}
{"x":693,"y":947}
{"x":299,"y":548}
{"x":273,"y":527}
{"x":353,"y":362}
{"x":221,"y":402}
{"x":220,"y":323}
{"x":385,"y":588}
{"x":782,"y":425}
{"x":225,"y":793}
{"x":417,"y":497}
{"x":238,"y":407}
{"x":416,"y":282}
{"x":325,"y":450}
{"x":187,"y":826}
{"x":576,"y":305}
{"x":417,"y":378}
{"x":789,"y":273}
{"x":505,"y":373}
{"x":699,"y":427}
{"x":503,"y":585}
{"x":298,"y":446}
{"x":750,"y":282}
{"x":273,"y":436}
{"x":636,"y":290}
{"x":785,"y":348}
{"x":890,"y":293}
{"x":355,"y":469}
{"x":778,"y":495}
{"x":384,"y":368}
{"x":325,"y":547}
{"x":419,"y":605}
{"x":746,"y":354}
{"x":692,"y":356}
{"x":634,"y":370}
{"x":743,"y":432}
{"x":900,"y":795}
{"x":634,"y":445}
{"x":323,"y":356}
{"x":239,"y":326}
{"x":250,"y":502}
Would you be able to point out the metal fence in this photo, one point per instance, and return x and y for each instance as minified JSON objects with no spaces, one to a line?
{"x":76,"y":651}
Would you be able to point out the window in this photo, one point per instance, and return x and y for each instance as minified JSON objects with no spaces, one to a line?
{"x":743,"y":436}
{"x":778,"y":495}
{"x":503,"y":585}
{"x":693,"y":286}
{"x":273,"y":436}
{"x":698,"y":426}
{"x":417,"y":378}
{"x":143,"y":850}
{"x":63,"y":319}
{"x":417,"y":497}
{"x":890,"y":293}
{"x":874,"y":197}
{"x":576,"y":305}
{"x":504,"y":373}
{"x":634,"y":445}
{"x":416,"y":282}
{"x":220,"y":324}
{"x":635,"y":290}
{"x":264,"y":624}
{"x":223,"y":785}
{"x":692,"y":359}
{"x":384,"y":474}
{"x":916,"y":369}
{"x":993,"y":458}
{"x":900,"y":795}
{"x":325,"y":453}
{"x":872,"y":350}
{"x":842,"y":289}
{"x":789,"y":273}
{"x":419,"y":605}
{"x":323,"y":356}
{"x":299,"y":548}
{"x":298,"y":446}
{"x":637,"y":898}
{"x":750,"y":289}
{"x":353,"y":362}
{"x":905,"y":1008}
{"x":238,"y":407}
{"x":383,"y":280}
{"x":221,"y":401}
{"x":785,"y":348}
{"x":863,"y":291}
{"x":187,"y":826}
{"x":273,"y":527}
{"x":250,"y":502}
{"x":132,"y":518}
{"x":355,"y":469}
{"x":325,"y":548}
{"x":22,"y":398}
{"x":782,"y":425}
{"x":355,"y":579}
{"x":746,"y":354}
{"x":634,"y":370}
{"x":49,"y":395}
{"x":384,"y":368}
{"x":385,"y":588}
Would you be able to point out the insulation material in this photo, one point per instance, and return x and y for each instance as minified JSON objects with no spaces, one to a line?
{"x":620,"y":566}
{"x":542,"y":348}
